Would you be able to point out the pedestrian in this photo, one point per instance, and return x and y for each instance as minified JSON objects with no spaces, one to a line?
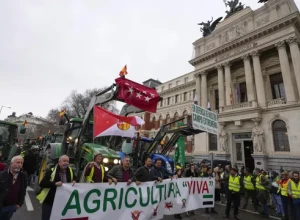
{"x":121,"y":173}
{"x":94,"y":171}
{"x":144,"y":174}
{"x":283,"y":189}
{"x":250,"y":191}
{"x":233,"y":193}
{"x":275,"y":194}
{"x":262,"y":184}
{"x":217,"y":176}
{"x":12,"y":188}
{"x":54,"y":177}
{"x":30,"y":165}
{"x":294,"y":192}
{"x":178,"y":174}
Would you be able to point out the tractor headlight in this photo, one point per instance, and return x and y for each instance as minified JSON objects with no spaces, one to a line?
{"x":106,"y":169}
{"x":105,"y":160}
{"x":169,"y":168}
{"x":116,"y":161}
{"x":119,"y":161}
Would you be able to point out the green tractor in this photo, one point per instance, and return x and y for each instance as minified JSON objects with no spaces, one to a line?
{"x":8,"y":141}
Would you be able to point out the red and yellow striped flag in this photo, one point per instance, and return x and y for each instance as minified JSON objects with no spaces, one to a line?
{"x":123,"y":72}
{"x":62,"y":113}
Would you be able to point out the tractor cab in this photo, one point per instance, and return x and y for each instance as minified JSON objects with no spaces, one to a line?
{"x":8,"y":140}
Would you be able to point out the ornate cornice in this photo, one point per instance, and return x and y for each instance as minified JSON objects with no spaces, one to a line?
{"x":178,"y":88}
{"x":219,"y":67}
{"x":292,"y":19}
{"x":227,"y":64}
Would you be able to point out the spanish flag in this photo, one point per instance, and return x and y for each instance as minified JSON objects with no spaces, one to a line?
{"x":123,"y":72}
{"x":62,"y":113}
{"x":24,"y":123}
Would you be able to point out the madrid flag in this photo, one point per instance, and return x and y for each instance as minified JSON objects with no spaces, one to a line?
{"x":107,"y":123}
{"x":137,"y":95}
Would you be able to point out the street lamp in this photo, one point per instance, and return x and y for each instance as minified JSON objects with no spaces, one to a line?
{"x":3,"y":107}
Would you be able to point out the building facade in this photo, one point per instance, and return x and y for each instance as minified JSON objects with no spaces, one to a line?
{"x":248,"y":69}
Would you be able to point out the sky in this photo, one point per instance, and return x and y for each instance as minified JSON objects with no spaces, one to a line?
{"x":50,"y":47}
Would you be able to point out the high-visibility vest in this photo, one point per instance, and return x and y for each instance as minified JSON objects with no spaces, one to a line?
{"x":22,"y":154}
{"x":234,"y":183}
{"x":258,"y":183}
{"x":43,"y":194}
{"x":248,"y":183}
{"x":89,"y":178}
{"x":283,"y":187}
{"x":295,"y":190}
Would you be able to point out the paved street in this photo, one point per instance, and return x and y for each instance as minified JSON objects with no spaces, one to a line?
{"x":35,"y":214}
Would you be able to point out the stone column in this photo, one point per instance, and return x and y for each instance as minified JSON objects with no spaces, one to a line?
{"x":286,"y":72}
{"x":295,"y":53}
{"x":259,"y":81}
{"x":198,"y":88}
{"x":249,"y":78}
{"x":221,"y":87}
{"x":227,"y":82}
{"x":204,"y":89}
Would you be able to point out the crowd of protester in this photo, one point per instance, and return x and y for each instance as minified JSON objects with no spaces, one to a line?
{"x":280,"y":190}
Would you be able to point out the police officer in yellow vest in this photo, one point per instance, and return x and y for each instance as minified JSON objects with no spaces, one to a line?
{"x":294,"y":192}
{"x":233,"y":194}
{"x":53,"y":178}
{"x":263,"y":193}
{"x":250,"y":189}
{"x":95,"y":171}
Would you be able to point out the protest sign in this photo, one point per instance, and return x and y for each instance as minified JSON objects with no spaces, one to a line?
{"x":149,"y":200}
{"x":204,"y":119}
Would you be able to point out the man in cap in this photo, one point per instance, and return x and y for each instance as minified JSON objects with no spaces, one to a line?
{"x":249,"y":185}
{"x":95,"y":171}
{"x":233,"y":193}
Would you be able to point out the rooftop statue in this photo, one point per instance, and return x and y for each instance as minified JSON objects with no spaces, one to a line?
{"x":262,"y":1}
{"x":209,"y":26}
{"x":234,"y":7}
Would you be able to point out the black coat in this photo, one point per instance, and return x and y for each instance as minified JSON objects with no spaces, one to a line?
{"x":6,"y":180}
{"x":30,"y":163}
{"x":46,"y":183}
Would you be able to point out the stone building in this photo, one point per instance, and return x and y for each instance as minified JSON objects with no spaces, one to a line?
{"x":248,"y":69}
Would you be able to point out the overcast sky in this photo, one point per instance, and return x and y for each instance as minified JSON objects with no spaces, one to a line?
{"x":49,"y":48}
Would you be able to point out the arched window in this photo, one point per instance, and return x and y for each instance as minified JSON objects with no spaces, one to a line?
{"x":153,"y":122}
{"x":280,"y":136}
{"x":185,"y":115}
{"x":168,"y":119}
{"x":160,"y":121}
{"x":176,"y":116}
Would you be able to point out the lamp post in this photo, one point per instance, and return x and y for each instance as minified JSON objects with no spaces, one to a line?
{"x":3,"y":107}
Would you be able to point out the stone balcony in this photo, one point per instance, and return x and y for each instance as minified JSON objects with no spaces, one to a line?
{"x":276,"y":102}
{"x":238,"y":106}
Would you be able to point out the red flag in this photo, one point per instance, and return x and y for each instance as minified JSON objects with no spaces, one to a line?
{"x":137,"y":95}
{"x":107,"y":123}
{"x":24,"y":123}
{"x":123,"y":72}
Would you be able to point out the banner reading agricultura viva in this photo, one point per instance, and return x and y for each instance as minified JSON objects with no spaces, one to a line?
{"x":149,"y":200}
